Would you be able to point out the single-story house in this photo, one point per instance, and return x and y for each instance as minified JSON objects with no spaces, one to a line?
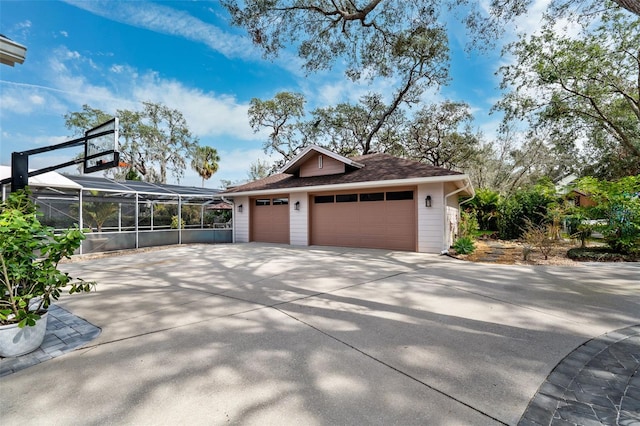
{"x":370,"y":201}
{"x":582,"y":199}
{"x":566,"y":187}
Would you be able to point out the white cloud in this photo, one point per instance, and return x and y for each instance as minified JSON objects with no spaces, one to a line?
{"x":340,"y":89}
{"x":530,"y":23}
{"x":216,"y":119}
{"x":166,"y":20}
{"x":37,"y":140}
{"x":71,"y":54}
{"x":36,"y":99}
{"x":238,"y":160}
{"x":233,"y":166}
{"x":25,"y":99}
{"x":490,"y":129}
{"x":64,"y":34}
{"x":24,"y":24}
{"x":207,"y":114}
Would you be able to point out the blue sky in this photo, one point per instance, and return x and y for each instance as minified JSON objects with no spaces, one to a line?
{"x":114,"y":55}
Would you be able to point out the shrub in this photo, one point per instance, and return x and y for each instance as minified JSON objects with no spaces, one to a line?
{"x":468,"y":224}
{"x":540,"y":237}
{"x":619,"y":203}
{"x":464,"y":245}
{"x":485,"y":206}
{"x":583,"y":232}
{"x":174,"y":222}
{"x":29,"y":255}
{"x":525,"y":206}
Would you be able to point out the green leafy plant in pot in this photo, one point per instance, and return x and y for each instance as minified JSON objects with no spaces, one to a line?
{"x":29,"y":276}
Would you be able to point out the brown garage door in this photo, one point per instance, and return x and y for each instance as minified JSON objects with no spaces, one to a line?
{"x":270,"y":219}
{"x":384,"y":219}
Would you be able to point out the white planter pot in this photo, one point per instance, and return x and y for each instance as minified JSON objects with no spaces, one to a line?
{"x":16,"y":341}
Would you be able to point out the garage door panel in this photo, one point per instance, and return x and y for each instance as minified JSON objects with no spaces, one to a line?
{"x":270,"y":223}
{"x":369,"y":224}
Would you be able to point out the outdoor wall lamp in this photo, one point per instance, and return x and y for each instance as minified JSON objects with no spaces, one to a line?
{"x":427,"y":201}
{"x":296,"y":206}
{"x":240,"y":208}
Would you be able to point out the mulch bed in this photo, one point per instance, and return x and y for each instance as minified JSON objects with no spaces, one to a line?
{"x":512,"y":253}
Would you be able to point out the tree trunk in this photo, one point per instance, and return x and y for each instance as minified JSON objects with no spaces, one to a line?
{"x":630,"y":5}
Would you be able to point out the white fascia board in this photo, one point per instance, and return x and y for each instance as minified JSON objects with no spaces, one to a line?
{"x":355,"y":185}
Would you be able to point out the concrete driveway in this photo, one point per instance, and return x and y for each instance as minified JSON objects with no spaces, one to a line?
{"x":269,"y":334}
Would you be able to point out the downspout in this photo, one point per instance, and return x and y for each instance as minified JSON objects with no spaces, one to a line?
{"x":179,"y":219}
{"x":137,"y":218}
{"x":444,"y":208}
{"x":233,"y":218}
{"x":80,"y":222}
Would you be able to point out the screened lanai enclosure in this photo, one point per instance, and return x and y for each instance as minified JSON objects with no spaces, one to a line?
{"x":130,"y":214}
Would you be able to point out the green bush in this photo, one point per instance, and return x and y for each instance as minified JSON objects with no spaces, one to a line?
{"x":485,"y":206}
{"x":468,"y":224}
{"x":464,"y":245}
{"x":29,"y":255}
{"x":619,"y":203}
{"x":525,"y":206}
{"x":174,"y":222}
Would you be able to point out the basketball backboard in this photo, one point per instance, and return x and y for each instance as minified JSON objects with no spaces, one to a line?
{"x":101,"y":147}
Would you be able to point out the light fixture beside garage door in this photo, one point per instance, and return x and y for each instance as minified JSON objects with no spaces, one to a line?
{"x":240,"y":208}
{"x":427,"y":201}
{"x":297,"y":205}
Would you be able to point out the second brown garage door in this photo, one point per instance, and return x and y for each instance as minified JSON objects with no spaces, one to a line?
{"x":270,"y":219}
{"x":385,"y":219}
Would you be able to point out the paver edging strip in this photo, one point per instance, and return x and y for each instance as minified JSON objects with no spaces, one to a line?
{"x":562,"y":398}
{"x":65,"y":332}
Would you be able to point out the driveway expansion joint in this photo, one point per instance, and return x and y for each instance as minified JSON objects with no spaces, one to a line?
{"x":396,"y":369}
{"x":598,"y":383}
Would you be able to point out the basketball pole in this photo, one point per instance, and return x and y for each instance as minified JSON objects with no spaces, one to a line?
{"x":20,"y":160}
{"x":19,"y":170}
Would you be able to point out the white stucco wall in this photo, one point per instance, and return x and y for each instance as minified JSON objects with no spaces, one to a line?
{"x":299,"y":219}
{"x":241,"y":220}
{"x":430,"y":219}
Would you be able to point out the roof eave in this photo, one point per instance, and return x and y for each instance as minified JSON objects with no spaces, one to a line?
{"x":353,"y":185}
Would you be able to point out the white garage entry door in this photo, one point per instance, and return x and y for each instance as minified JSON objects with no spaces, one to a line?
{"x":270,"y":219}
{"x":381,"y":219}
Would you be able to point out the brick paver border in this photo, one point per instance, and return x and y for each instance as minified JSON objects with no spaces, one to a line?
{"x":65,"y":332}
{"x":596,"y":384}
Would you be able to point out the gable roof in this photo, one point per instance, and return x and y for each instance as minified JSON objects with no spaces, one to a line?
{"x":376,"y":170}
{"x":294,"y":165}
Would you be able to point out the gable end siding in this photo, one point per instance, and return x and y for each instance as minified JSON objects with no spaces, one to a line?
{"x":330,"y":166}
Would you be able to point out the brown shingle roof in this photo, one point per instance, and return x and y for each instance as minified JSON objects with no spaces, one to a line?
{"x":378,"y":167}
